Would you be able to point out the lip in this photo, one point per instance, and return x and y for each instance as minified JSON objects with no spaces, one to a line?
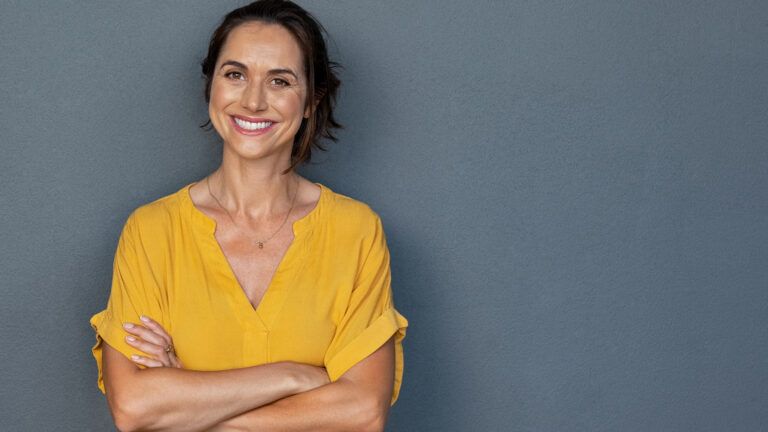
{"x":252,"y":120}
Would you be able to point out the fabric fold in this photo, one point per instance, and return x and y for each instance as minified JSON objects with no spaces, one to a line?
{"x":390,"y":323}
{"x":113,"y":333}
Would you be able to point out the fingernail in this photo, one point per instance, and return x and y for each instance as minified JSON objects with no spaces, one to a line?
{"x":128,"y":325}
{"x":131,"y":338}
{"x":144,"y":318}
{"x":135,"y":357}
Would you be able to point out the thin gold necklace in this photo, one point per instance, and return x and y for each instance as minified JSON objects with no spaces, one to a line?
{"x":260,"y":243}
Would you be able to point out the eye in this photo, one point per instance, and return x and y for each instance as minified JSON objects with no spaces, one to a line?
{"x":234,"y":75}
{"x":280,"y":82}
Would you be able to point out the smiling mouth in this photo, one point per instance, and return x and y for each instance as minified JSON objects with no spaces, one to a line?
{"x":247,"y":127}
{"x":252,"y":126}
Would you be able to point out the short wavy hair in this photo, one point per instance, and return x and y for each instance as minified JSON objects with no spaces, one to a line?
{"x":320,"y":72}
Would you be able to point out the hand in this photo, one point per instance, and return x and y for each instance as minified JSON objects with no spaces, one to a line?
{"x":152,"y":339}
{"x":310,"y":377}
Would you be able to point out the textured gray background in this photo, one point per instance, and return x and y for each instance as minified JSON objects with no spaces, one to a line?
{"x":575,"y":196}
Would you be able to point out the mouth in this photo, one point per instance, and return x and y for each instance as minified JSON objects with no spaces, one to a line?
{"x":252,"y":127}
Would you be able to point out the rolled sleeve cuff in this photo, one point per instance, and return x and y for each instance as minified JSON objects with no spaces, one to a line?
{"x":109,"y":330}
{"x":372,"y":338}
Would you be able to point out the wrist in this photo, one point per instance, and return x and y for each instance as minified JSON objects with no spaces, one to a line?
{"x":296,"y":377}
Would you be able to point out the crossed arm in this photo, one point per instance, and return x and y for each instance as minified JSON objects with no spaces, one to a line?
{"x":358,"y":401}
{"x":270,"y":397}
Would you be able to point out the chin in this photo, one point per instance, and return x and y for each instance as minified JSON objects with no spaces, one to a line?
{"x":250,"y":149}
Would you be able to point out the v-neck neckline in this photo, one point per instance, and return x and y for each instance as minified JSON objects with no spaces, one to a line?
{"x":263,"y":315}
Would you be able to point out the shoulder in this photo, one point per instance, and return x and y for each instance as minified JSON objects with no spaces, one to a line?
{"x":152,"y":221}
{"x":354,"y":218}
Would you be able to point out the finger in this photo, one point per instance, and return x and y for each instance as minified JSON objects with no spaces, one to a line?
{"x":159,"y":330}
{"x":150,"y":350}
{"x":156,"y":327}
{"x":153,"y":350}
{"x":146,"y":347}
{"x":146,"y":361}
{"x":145,"y":333}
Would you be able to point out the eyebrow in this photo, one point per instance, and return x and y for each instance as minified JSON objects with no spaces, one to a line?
{"x":271,"y":71}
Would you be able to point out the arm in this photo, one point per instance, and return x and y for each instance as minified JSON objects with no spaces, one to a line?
{"x":166,"y":398}
{"x":364,"y":359}
{"x":358,"y":401}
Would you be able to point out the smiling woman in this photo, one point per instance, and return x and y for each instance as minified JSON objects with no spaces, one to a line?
{"x":255,"y":298}
{"x":313,"y":72}
{"x":256,"y":71}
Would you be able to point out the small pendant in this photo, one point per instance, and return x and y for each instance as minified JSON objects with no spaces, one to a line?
{"x":261,"y":245}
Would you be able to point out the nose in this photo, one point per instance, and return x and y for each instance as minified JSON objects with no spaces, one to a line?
{"x":254,"y":97}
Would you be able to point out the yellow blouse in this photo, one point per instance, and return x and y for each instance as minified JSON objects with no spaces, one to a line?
{"x":328,"y":304}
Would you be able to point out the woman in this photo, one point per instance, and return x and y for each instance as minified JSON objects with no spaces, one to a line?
{"x":254,"y":298}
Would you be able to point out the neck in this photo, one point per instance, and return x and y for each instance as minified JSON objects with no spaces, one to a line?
{"x":252,"y":190}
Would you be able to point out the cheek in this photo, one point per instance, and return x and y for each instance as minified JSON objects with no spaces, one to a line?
{"x":291,"y":105}
{"x":221,"y":95}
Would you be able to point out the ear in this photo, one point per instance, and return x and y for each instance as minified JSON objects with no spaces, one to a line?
{"x":318,"y":97}
{"x":307,"y":111}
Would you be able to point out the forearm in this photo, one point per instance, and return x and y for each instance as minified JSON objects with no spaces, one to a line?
{"x":336,"y":407}
{"x":178,"y":399}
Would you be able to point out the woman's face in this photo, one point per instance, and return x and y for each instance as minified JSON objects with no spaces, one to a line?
{"x":258,"y":91}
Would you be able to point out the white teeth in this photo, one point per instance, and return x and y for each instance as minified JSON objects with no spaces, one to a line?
{"x":252,"y":126}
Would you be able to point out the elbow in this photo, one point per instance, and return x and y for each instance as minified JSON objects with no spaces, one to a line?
{"x":375,"y":425}
{"x":135,"y":420}
{"x":128,"y":414}
{"x":373,"y":416}
{"x":126,"y":417}
{"x":124,"y":424}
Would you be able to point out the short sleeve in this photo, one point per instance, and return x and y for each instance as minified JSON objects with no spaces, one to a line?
{"x":370,"y":318}
{"x":134,"y":292}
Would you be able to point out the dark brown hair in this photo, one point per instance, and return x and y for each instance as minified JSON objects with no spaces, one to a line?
{"x":322,"y":81}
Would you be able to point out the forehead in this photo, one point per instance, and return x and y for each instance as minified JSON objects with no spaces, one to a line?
{"x":258,"y":44}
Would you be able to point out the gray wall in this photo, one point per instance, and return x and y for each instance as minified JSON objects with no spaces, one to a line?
{"x":575,"y":196}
